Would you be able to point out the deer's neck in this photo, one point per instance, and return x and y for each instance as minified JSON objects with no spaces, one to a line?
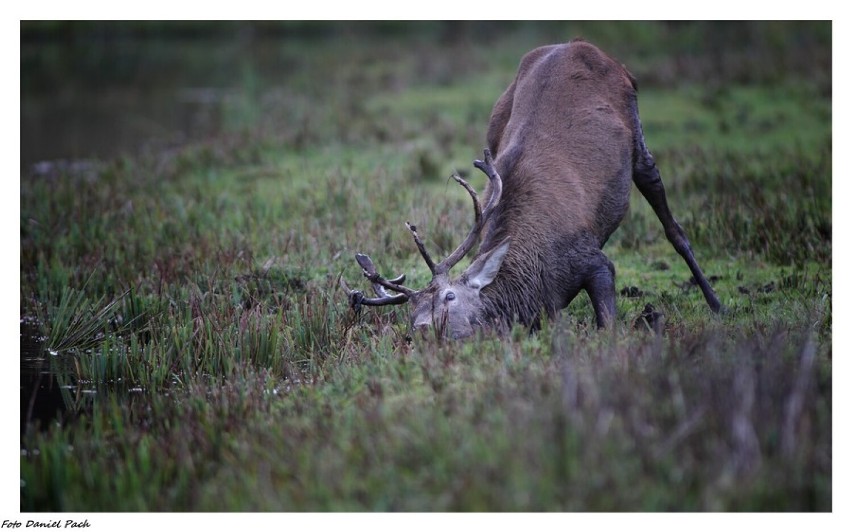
{"x":519,"y":292}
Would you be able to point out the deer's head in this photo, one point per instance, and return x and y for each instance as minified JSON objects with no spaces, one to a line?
{"x":453,"y":307}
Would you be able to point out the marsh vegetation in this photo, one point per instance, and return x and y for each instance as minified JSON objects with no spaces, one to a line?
{"x":179,"y":285}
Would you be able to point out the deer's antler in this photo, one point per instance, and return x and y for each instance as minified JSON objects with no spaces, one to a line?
{"x":403,"y":293}
{"x":379,"y":283}
{"x":480,"y":216}
{"x":425,"y":254}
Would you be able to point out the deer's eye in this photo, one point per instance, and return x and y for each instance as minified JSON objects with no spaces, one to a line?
{"x":450,"y":296}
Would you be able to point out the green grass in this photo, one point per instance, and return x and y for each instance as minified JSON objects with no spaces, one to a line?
{"x":210,"y":361}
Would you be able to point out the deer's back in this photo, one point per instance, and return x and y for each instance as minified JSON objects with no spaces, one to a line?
{"x":563,"y":141}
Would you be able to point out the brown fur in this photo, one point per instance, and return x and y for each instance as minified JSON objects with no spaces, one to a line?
{"x":562,"y":135}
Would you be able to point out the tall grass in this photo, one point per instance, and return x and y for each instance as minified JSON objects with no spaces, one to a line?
{"x":591,"y":423}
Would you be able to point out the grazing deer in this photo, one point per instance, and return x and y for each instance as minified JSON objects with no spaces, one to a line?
{"x":566,"y":142}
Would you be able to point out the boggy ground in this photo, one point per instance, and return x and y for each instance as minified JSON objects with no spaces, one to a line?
{"x":185,"y":295}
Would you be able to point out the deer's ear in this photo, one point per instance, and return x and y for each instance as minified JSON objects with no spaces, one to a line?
{"x":482,"y":271}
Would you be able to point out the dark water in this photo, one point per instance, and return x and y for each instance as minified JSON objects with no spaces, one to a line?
{"x":95,"y":90}
{"x":114,"y":122}
{"x":42,"y":400}
{"x":51,"y":391}
{"x":99,"y":93}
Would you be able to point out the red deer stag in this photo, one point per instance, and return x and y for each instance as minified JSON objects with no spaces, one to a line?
{"x":566,"y":142}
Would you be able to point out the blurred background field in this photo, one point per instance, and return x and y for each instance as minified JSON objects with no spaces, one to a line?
{"x":191,"y":193}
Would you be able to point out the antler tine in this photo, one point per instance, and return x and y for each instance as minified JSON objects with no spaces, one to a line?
{"x":453,"y":258}
{"x":356,"y":298}
{"x":425,"y":254}
{"x":380,"y":283}
{"x":480,"y":216}
{"x":487,"y":167}
{"x":477,"y":207}
{"x":398,"y":280}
